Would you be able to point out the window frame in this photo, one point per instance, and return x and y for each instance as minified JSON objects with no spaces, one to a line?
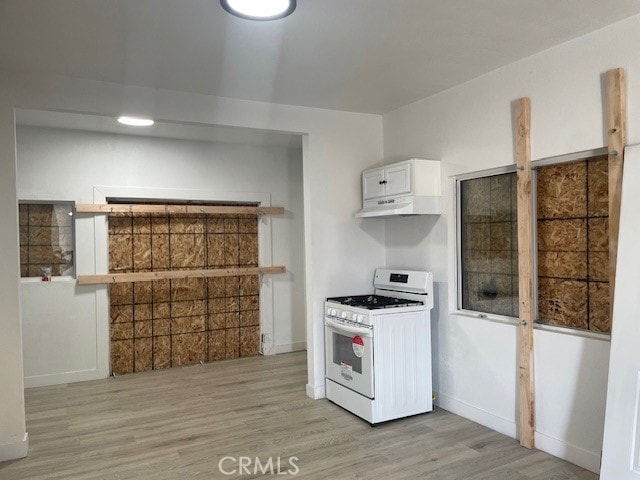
{"x":458,"y":179}
{"x":72,"y":204}
{"x":512,"y":168}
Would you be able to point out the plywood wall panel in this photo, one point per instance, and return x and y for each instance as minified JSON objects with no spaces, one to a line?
{"x":121,"y":294}
{"x":161,"y":352}
{"x":187,"y":349}
{"x":217,"y":345}
{"x":216,"y":321}
{"x":121,"y":313}
{"x":563,"y":264}
{"x":562,"y":235}
{"x":142,"y":312}
{"x":249,"y":341}
{"x":120,"y":253}
{"x":232,"y":342}
{"x":183,"y":321}
{"x":598,"y":186}
{"x":599,"y":234}
{"x":599,"y":266}
{"x":143,"y":354}
{"x":122,"y":356}
{"x":562,"y":191}
{"x":599,"y":307}
{"x":573,"y":245}
{"x":249,"y":285}
{"x":248,"y":224}
{"x":161,"y":326}
{"x":122,"y":331}
{"x":142,"y":292}
{"x":563,"y":302}
{"x":143,"y":329}
{"x":232,"y":319}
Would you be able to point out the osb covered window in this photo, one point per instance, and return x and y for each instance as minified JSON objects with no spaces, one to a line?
{"x":168,"y":323}
{"x":573,"y":245}
{"x":488,"y":261}
{"x":46,"y":239}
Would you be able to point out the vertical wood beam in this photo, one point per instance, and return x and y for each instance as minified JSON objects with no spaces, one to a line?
{"x":525,"y":263}
{"x":617,"y":139}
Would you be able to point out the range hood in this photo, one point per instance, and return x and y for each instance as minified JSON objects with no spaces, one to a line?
{"x":402,"y":205}
{"x":410,"y":187}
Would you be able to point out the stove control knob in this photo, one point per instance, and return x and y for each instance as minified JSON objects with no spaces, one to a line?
{"x":332,"y":311}
{"x":344,"y":314}
{"x":360,"y":318}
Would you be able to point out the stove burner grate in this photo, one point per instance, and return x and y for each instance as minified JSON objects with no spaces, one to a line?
{"x":373,"y":302}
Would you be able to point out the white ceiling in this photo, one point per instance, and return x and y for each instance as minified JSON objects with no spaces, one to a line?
{"x":182,"y":131}
{"x":356,"y":55}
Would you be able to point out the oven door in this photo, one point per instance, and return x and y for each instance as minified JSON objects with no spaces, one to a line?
{"x":349,"y":355}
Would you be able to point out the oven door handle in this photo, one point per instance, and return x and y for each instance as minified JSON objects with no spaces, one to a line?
{"x":363,"y":331}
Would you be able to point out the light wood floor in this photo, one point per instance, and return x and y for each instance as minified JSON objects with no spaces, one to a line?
{"x":177,"y":424}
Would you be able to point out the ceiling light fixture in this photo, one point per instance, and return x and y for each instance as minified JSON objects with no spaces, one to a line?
{"x":259,"y":9}
{"x":135,"y":121}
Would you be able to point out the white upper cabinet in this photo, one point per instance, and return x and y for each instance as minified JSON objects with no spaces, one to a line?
{"x":411,"y":187}
{"x":373,"y":185}
{"x":397,"y":179}
{"x":411,"y":177}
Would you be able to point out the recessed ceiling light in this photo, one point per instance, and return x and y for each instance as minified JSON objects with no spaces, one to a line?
{"x":136,"y":121}
{"x":259,"y":9}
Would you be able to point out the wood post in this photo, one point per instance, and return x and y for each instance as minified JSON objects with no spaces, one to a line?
{"x":617,"y":139}
{"x":525,"y":264}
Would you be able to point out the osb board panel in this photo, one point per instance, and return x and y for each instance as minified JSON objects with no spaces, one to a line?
{"x":598,"y":190}
{"x":562,"y":191}
{"x":573,"y":245}
{"x":167,"y":323}
{"x":562,"y":235}
{"x":563,"y":302}
{"x":562,"y":264}
{"x":599,"y":316}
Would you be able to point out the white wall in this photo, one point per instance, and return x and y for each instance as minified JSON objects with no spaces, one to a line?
{"x":469,"y":128}
{"x":63,"y":324}
{"x":13,"y":436}
{"x":337,"y":146}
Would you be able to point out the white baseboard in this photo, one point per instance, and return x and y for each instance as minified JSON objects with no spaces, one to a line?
{"x":288,"y":348}
{"x":316,"y":391}
{"x":571,"y":453}
{"x":553,"y":446}
{"x":13,"y":451}
{"x":66,"y":377}
{"x":478,"y":415}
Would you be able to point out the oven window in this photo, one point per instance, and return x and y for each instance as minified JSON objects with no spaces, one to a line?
{"x":343,"y":352}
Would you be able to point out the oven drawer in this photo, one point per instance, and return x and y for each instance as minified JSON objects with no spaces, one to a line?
{"x":349,"y":356}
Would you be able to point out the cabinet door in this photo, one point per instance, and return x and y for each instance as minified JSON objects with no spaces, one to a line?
{"x":373,"y":184}
{"x":398,"y":179}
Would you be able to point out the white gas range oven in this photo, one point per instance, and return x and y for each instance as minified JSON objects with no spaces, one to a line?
{"x":378,"y":347}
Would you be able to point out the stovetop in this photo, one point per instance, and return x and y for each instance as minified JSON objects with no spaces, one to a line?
{"x":373,"y":302}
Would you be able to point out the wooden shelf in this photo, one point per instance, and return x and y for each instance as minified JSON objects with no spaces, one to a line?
{"x":103,"y":208}
{"x":175,"y":274}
